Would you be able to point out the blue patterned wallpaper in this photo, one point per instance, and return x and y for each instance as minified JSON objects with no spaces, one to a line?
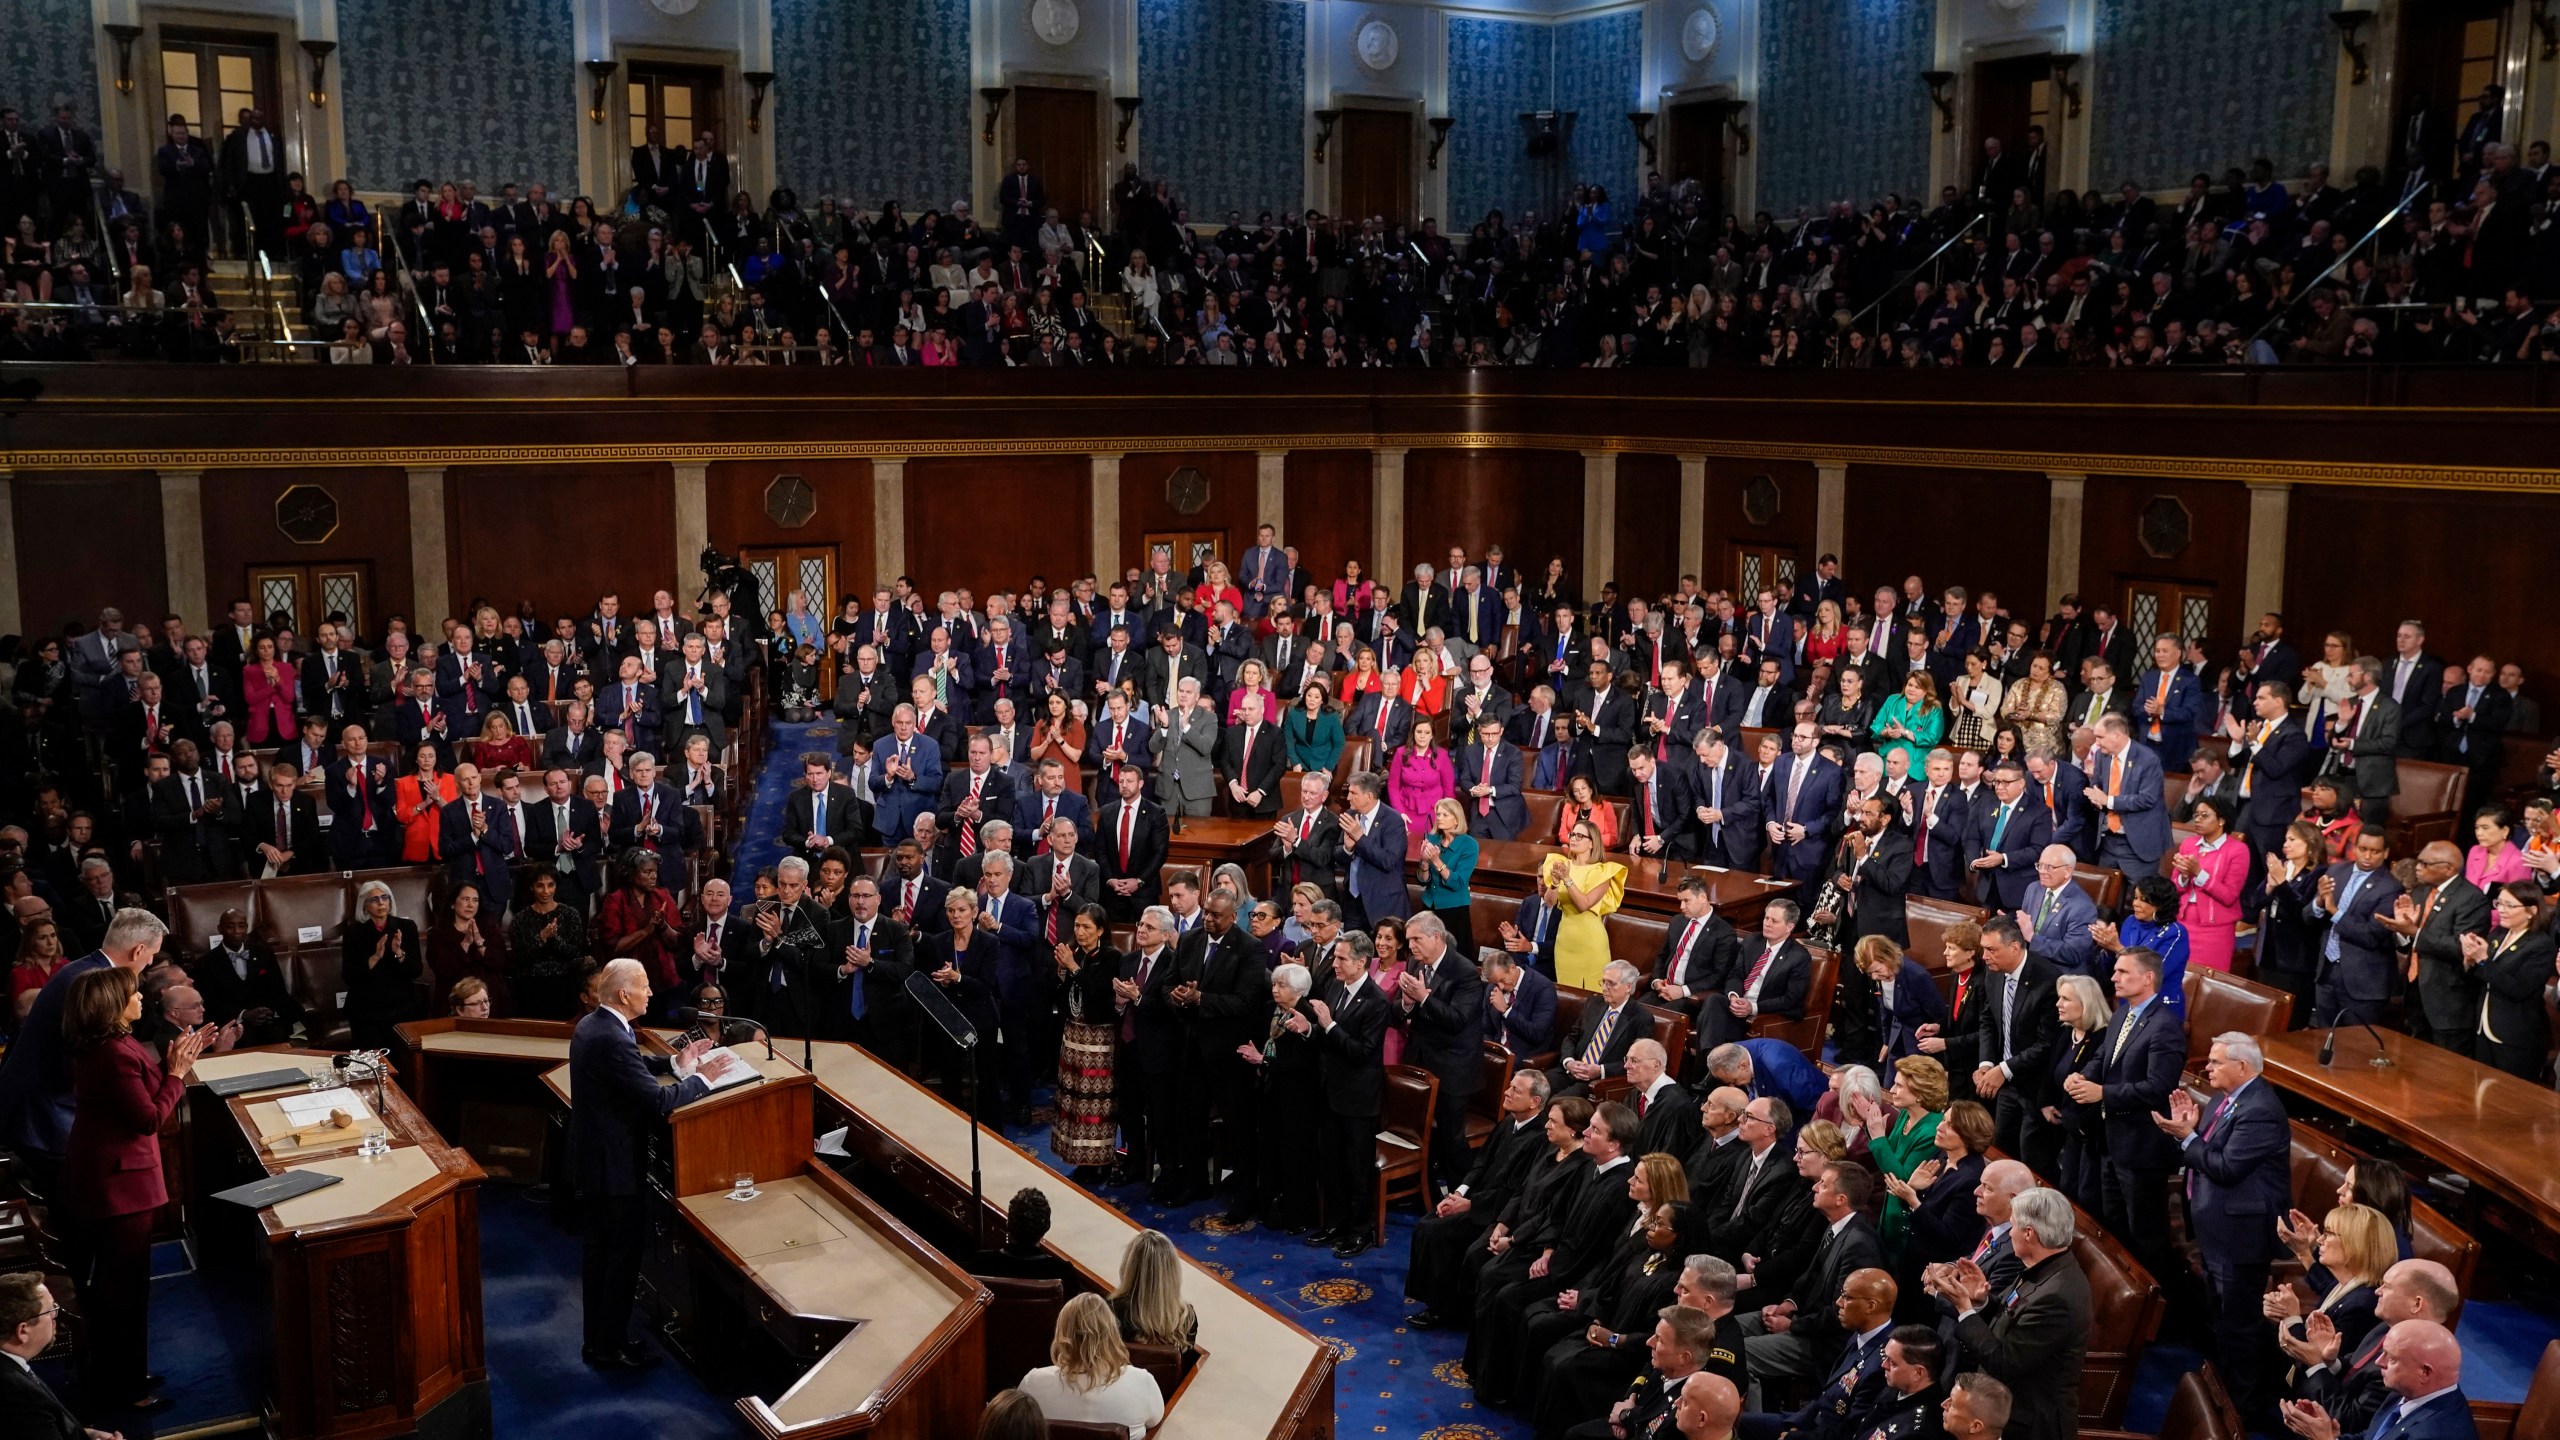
{"x":1225,"y":85}
{"x":488,"y":89}
{"x":49,"y":52}
{"x":1597,"y":73}
{"x":1497,"y":68}
{"x":871,"y":99}
{"x":2185,"y":87}
{"x":1842,"y":114}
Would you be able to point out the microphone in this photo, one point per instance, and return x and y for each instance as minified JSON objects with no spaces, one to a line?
{"x":2329,"y":1047}
{"x":692,"y":1017}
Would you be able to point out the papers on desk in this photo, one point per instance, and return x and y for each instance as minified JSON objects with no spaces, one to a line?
{"x":737,"y":1072}
{"x":313,"y":1106}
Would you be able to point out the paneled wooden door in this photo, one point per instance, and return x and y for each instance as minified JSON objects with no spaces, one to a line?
{"x":2152,"y":607}
{"x":1755,"y":566}
{"x":1697,"y":153}
{"x":1057,"y":130}
{"x":809,"y":569}
{"x":682,"y":101}
{"x":309,"y":594}
{"x":1375,"y":150}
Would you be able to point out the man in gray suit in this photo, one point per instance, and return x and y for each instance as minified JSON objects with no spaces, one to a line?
{"x":2364,"y":743}
{"x":1185,"y":743}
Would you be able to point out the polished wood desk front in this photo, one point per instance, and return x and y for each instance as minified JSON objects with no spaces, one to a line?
{"x":374,"y":1282}
{"x":2498,"y":1131}
{"x":1208,"y":841}
{"x":1259,"y":1377}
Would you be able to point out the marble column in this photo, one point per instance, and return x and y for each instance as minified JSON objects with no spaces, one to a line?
{"x":2065,"y":496}
{"x":1105,"y":486}
{"x":693,"y":522}
{"x":2270,"y":508}
{"x":430,"y":569}
{"x":1599,"y":518}
{"x":11,"y":621}
{"x":1693,"y":516}
{"x":1830,"y":508}
{"x":888,"y":519}
{"x":1386,"y":516}
{"x":1271,"y":492}
{"x":182,"y":545}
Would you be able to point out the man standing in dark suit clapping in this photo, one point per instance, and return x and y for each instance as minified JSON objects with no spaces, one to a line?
{"x":1350,"y":1024}
{"x":1439,"y":1003}
{"x":2144,"y":1050}
{"x":2239,"y":1183}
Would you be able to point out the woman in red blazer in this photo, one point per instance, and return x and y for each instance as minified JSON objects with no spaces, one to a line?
{"x":111,"y":1176}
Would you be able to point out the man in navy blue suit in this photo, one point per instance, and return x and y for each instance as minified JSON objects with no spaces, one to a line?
{"x":2057,"y":785}
{"x":1802,"y":806}
{"x":1489,"y":779}
{"x":2355,"y":954}
{"x":1519,"y":1005}
{"x":2056,"y":914}
{"x":906,"y":776}
{"x":1048,"y":799}
{"x":1375,"y":836}
{"x":2422,"y":1368}
{"x":2007,"y":836}
{"x":1940,"y":820}
{"x":2168,"y":704}
{"x":1529,"y":936}
{"x":480,"y":840}
{"x":2141,"y":1055}
{"x":360,"y":806}
{"x":2238,"y":1159}
{"x":2132,"y":823}
{"x":618,"y":1099}
{"x":2273,"y":758}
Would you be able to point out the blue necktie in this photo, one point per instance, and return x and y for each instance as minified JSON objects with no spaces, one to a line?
{"x":2346,"y":897}
{"x":860,"y":1002}
{"x":818,"y":811}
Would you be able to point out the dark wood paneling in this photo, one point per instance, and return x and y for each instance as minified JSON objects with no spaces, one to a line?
{"x":1376,"y":150}
{"x":87,"y":541}
{"x":2363,"y":560}
{"x":560,"y":537}
{"x":845,"y":517}
{"x":1233,"y":509}
{"x":990,"y":524}
{"x":1529,"y":502}
{"x":373,"y":527}
{"x":1648,"y":540}
{"x":1056,"y":131}
{"x":1728,"y":526}
{"x":1328,"y":510}
{"x":2216,"y":556}
{"x":1931,"y":523}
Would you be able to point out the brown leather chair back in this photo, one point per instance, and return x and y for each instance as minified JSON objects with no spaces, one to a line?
{"x":2173,"y":789}
{"x":2103,"y":885}
{"x":1404,"y":1163}
{"x":303,"y":911}
{"x":1020,"y":1324}
{"x":1636,"y":936}
{"x":1168,"y":1363}
{"x":1486,"y":1103}
{"x":1544,"y":808}
{"x":1928,"y":919}
{"x":2218,"y":1003}
{"x":1806,"y":1034}
{"x":2538,"y":1418}
{"x":2200,"y":1409}
{"x":415,"y":890}
{"x":2430,"y":799}
{"x":2320,"y":1165}
{"x":2124,"y":1316}
{"x":195,"y":911}
{"x":1356,"y":753}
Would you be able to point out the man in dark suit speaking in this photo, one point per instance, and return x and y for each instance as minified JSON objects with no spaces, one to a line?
{"x":617,"y":1098}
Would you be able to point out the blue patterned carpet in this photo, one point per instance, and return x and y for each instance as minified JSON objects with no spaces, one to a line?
{"x":1391,"y":1381}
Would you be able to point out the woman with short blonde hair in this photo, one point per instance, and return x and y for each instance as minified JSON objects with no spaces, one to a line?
{"x":1089,"y":1377}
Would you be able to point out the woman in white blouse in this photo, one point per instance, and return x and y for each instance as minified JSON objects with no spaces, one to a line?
{"x":1140,"y":281}
{"x":2327,"y":683}
{"x":1089,"y":1377}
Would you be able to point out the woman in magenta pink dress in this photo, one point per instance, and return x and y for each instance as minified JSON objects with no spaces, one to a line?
{"x":1419,"y":775}
{"x":2210,"y":870}
{"x":560,"y":284}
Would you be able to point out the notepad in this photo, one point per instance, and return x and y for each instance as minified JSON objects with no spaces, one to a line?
{"x":738,"y":1073}
{"x":311,"y":1107}
{"x":276,"y":1189}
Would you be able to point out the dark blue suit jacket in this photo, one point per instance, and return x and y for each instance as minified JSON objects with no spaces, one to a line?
{"x":1817,"y":809}
{"x":1077,"y":810}
{"x":1377,"y":866}
{"x":1538,"y":923}
{"x":2062,"y":937}
{"x":2070,"y":808}
{"x":2179,"y":718}
{"x":615,"y":1098}
{"x":2137,"y":798}
{"x":1530,"y":1027}
{"x":2029,"y":830}
{"x":1780,"y":1069}
{"x":2366,"y":951}
{"x":2447,"y":1417}
{"x":1510,"y":813}
{"x":485,"y":859}
{"x":2138,"y":1078}
{"x":1023,"y":960}
{"x":1916,"y":1002}
{"x":35,"y":1078}
{"x":2240,"y":1175}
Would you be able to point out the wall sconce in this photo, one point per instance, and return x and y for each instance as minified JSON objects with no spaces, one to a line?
{"x":1642,"y":121}
{"x":2062,"y":81}
{"x":994,"y":96}
{"x":2348,"y":23}
{"x":319,"y":51}
{"x":1728,"y":114}
{"x":600,"y":72}
{"x":1128,"y":116}
{"x":1325,"y":121}
{"x":2549,"y":28}
{"x":1938,"y":81}
{"x":124,"y":35}
{"x":1440,"y":127}
{"x":756,"y":80}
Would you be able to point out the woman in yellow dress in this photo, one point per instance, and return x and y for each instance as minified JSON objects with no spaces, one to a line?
{"x":1584,"y":887}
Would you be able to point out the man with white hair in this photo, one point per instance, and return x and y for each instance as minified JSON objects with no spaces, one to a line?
{"x":1612,"y":1021}
{"x":35,"y":1076}
{"x":618,"y":1100}
{"x":1185,"y":743}
{"x":2238,"y":1159}
{"x":1666,"y":1109}
{"x":2038,"y":1338}
{"x":1439,"y":1005}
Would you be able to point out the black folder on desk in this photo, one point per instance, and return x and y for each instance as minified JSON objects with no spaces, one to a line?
{"x":276,"y":1189}
{"x":231,"y":1085}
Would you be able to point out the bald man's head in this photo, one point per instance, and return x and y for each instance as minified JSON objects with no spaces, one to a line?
{"x":2420,"y":1357}
{"x":1707,"y":1408}
{"x":2418,"y":1290}
{"x":1866,"y":1300}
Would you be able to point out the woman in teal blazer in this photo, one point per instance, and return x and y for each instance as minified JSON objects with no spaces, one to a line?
{"x":1311,"y":733}
{"x":1448,"y":867}
{"x":1911,"y":722}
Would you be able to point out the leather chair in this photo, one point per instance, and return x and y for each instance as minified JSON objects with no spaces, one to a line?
{"x":2538,"y":1418}
{"x":2218,"y":1004}
{"x":2103,"y":885}
{"x":415,"y":890}
{"x":1544,"y":806}
{"x":2428,"y":804}
{"x":1636,"y":937}
{"x":1168,"y":1363}
{"x":2320,"y":1164}
{"x":1404,"y":1139}
{"x":1484,"y":1108}
{"x":2199,"y":1409}
{"x":1806,"y":1034}
{"x":195,"y":911}
{"x":1021,"y":1321}
{"x":303,"y":911}
{"x":2125,"y":1305}
{"x":2173,"y":789}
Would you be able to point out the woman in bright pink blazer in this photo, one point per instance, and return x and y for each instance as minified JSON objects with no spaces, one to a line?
{"x":111,"y":1183}
{"x":2210,"y":870}
{"x":1419,"y":775}
{"x":269,"y":685}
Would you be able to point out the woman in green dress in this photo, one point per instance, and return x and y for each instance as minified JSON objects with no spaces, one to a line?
{"x":1899,"y":1139}
{"x":1911,"y":722}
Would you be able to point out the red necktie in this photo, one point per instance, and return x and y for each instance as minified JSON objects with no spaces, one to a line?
{"x":1920,"y":847}
{"x":1484,"y":804}
{"x":1759,"y":968}
{"x":969,"y":832}
{"x":1128,"y":823}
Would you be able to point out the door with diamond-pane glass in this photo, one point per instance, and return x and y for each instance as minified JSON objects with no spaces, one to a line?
{"x":809,"y":570}
{"x":2151,"y":608}
{"x":305,"y":595}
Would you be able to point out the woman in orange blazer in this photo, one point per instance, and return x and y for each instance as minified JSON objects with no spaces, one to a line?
{"x":416,"y":799}
{"x":1582,"y":802}
{"x":111,"y":1183}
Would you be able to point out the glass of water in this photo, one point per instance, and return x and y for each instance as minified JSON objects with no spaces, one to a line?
{"x":744,"y":1186}
{"x":377,"y":1141}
